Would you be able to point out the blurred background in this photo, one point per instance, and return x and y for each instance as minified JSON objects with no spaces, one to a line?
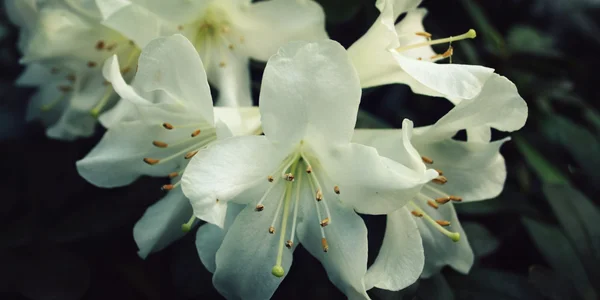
{"x":62,"y":238}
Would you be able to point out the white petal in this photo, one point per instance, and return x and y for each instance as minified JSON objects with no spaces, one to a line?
{"x":117,"y":160}
{"x":176,"y":11}
{"x":370,"y":183}
{"x":480,"y":134}
{"x":499,"y":106}
{"x":241,"y":121}
{"x":245,"y":259}
{"x":228,"y":71}
{"x":441,"y":250}
{"x":161,"y":223}
{"x":34,"y":75}
{"x":210,"y":237}
{"x":225,"y":169}
{"x":309,"y":90}
{"x":172,"y":65}
{"x":475,"y":171}
{"x":296,"y":21}
{"x":346,"y":235}
{"x":400,"y":260}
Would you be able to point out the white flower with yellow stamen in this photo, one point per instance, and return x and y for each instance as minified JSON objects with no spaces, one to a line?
{"x":468,"y":171}
{"x":226,"y":33}
{"x":64,"y":46}
{"x":172,"y":119}
{"x":401,"y":53}
{"x":302,"y":182}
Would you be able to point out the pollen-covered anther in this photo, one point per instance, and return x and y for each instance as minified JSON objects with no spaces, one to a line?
{"x":222,"y":64}
{"x":151,"y":161}
{"x":442,"y":200}
{"x":427,"y":160}
{"x":440,"y":180}
{"x":289,"y":244}
{"x":190,"y":154}
{"x":455,"y":198}
{"x":324,"y":245}
{"x":432,"y":204}
{"x":160,"y":144}
{"x":319,"y":195}
{"x":440,"y":172}
{"x":309,"y":169}
{"x":168,"y":126}
{"x":288,"y":177}
{"x":100,"y":45}
{"x":91,"y":64}
{"x":260,"y":207}
{"x":324,"y":222}
{"x":423,"y":34}
{"x":336,"y":189}
{"x":270,"y":178}
{"x":271,"y":229}
{"x":173,"y":174}
{"x":125,"y":70}
{"x":416,"y":213}
{"x":443,"y":222}
{"x":167,"y":187}
{"x":448,"y":52}
{"x":195,"y":133}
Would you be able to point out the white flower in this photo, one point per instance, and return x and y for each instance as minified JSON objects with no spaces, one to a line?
{"x":226,"y":33}
{"x":401,"y":53}
{"x":302,"y":182}
{"x":172,"y":119}
{"x":468,"y":171}
{"x":64,"y":46}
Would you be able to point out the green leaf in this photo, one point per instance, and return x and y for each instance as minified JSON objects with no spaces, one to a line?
{"x":540,"y":165}
{"x":492,"y":38}
{"x":527,"y":39}
{"x":560,"y":254}
{"x":551,"y":284}
{"x":492,"y":284}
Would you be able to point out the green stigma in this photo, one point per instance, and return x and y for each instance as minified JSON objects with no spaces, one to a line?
{"x":277,"y":271}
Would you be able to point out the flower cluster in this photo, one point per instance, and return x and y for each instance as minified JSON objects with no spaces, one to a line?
{"x":293,"y":170}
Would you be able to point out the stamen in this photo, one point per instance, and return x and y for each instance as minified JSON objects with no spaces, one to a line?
{"x":53,"y":103}
{"x":432,"y":204}
{"x":271,"y":229}
{"x":222,"y":64}
{"x":455,"y":198}
{"x":423,"y":34}
{"x":295,"y":217}
{"x":289,"y":244}
{"x":444,"y":197}
{"x":427,"y":160}
{"x":443,"y":222}
{"x":454,"y":236}
{"x":265,"y":197}
{"x":71,"y":77}
{"x":259,"y":207}
{"x":167,"y":187}
{"x":324,"y":244}
{"x":270,"y":178}
{"x":91,"y":64}
{"x":100,"y":45}
{"x":168,"y":126}
{"x":103,"y":101}
{"x":125,"y":70}
{"x":160,"y":144}
{"x":173,"y":174}
{"x":442,"y":200}
{"x":440,"y":180}
{"x":336,"y":189}
{"x":439,"y":172}
{"x":151,"y":161}
{"x":196,"y":133}
{"x":277,"y":271}
{"x":286,"y":211}
{"x":471,"y":34}
{"x":188,"y":226}
{"x":190,"y":154}
{"x":324,"y":222}
{"x":288,"y":177}
{"x":309,"y":169}
{"x":319,"y":196}
{"x":279,"y":204}
{"x":416,"y":213}
{"x":314,"y":181}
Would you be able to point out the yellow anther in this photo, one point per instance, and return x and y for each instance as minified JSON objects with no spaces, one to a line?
{"x":270,"y":178}
{"x":173,"y":174}
{"x":195,"y":133}
{"x":336,"y":189}
{"x":271,"y":229}
{"x":427,"y":160}
{"x":160,"y":144}
{"x":443,"y":222}
{"x":324,"y":245}
{"x":416,"y":213}
{"x":440,"y":180}
{"x":432,"y":204}
{"x":151,"y":161}
{"x":423,"y":34}
{"x":289,"y":244}
{"x":167,"y":187}
{"x":319,"y":195}
{"x":259,"y":207}
{"x":168,"y":126}
{"x":190,"y":154}
{"x":324,"y":222}
{"x":455,"y":198}
{"x":442,"y":200}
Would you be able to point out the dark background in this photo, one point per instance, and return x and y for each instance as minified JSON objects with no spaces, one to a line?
{"x":62,"y":238}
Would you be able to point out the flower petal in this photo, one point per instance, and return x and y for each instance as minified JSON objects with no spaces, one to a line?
{"x":499,"y":106}
{"x":228,"y":71}
{"x":401,"y":259}
{"x":161,"y":223}
{"x":225,"y":169}
{"x":296,"y":21}
{"x":241,"y":120}
{"x":475,"y":171}
{"x":172,"y":65}
{"x":309,"y":90}
{"x":245,"y":259}
{"x":441,"y":250}
{"x":346,"y":235}
{"x":381,"y":188}
{"x":210,"y":237}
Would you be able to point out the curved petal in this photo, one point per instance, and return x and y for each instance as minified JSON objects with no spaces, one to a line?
{"x":309,"y":89}
{"x":475,"y":171}
{"x":230,"y":74}
{"x":209,"y":237}
{"x":296,"y":21}
{"x":346,"y":258}
{"x":161,"y":223}
{"x":401,"y":258}
{"x":172,"y":65}
{"x":225,"y":169}
{"x":381,"y":188}
{"x":245,"y":259}
{"x":241,"y":121}
{"x":441,"y":250}
{"x":498,"y":105}
{"x":35,"y":74}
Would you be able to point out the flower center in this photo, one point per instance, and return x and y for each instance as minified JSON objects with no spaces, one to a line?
{"x":296,"y":173}
{"x":434,"y":197}
{"x":471,"y":34}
